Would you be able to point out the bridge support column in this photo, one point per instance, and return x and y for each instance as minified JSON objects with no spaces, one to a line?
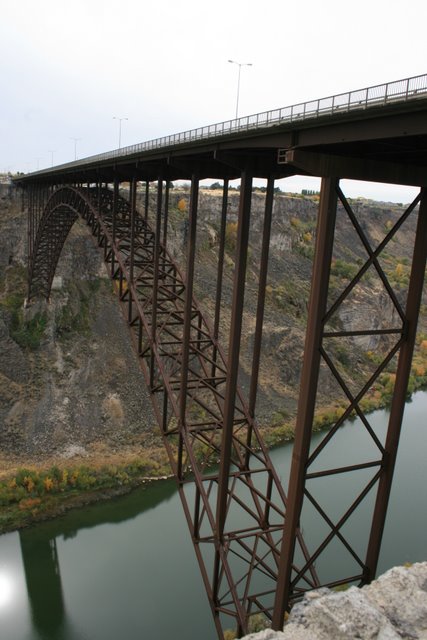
{"x":188,"y":308}
{"x":132,"y":195}
{"x":31,"y":234}
{"x":220,"y":273}
{"x":400,"y":389}
{"x":307,"y":395}
{"x":116,"y":188}
{"x":231,"y":382}
{"x":234,"y":347}
{"x":166,"y":214}
{"x":262,"y":283}
{"x":146,"y":201}
{"x":156,"y":267}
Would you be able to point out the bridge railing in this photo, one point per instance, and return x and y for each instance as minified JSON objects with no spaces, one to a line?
{"x":375,"y":96}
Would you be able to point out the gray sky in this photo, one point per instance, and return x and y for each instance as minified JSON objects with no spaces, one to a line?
{"x":68,"y":67}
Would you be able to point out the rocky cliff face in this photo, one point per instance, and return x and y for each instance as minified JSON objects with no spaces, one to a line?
{"x":74,"y":387}
{"x":69,"y":381}
{"x":391,"y":608}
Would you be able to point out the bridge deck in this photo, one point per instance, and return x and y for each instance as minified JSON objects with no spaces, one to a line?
{"x":383,"y":122}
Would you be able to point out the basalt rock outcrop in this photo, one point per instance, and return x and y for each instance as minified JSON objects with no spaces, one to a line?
{"x":390,"y":608}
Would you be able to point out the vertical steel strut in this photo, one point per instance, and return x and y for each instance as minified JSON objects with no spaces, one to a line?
{"x":308,"y":388}
{"x":220,"y":273}
{"x":374,"y":473}
{"x":188,"y":316}
{"x":403,"y":371}
{"x":234,"y":349}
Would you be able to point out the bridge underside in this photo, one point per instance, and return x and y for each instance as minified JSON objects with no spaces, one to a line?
{"x":246,"y":531}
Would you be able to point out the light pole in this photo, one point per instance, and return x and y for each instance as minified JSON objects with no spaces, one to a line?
{"x":76,"y":140}
{"x":120,"y":128}
{"x":240,"y":65}
{"x":51,"y":151}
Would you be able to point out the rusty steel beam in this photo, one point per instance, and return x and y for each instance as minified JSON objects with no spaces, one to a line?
{"x":234,"y":348}
{"x":262,"y":284}
{"x":132,"y":200}
{"x":188,"y":312}
{"x":318,"y":339}
{"x":308,"y":389}
{"x":220,"y":272}
{"x":116,"y":188}
{"x":30,"y":228}
{"x":156,"y":267}
{"x":176,"y":356}
{"x":322,"y":164}
{"x":147,"y":199}
{"x":165,"y":215}
{"x":400,"y":389}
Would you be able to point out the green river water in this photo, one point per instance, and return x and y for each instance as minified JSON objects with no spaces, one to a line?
{"x":126,"y":569}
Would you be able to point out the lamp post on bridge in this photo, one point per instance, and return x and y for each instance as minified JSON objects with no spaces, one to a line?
{"x":51,"y":151}
{"x":120,"y":128}
{"x":76,"y":140}
{"x":240,"y":65}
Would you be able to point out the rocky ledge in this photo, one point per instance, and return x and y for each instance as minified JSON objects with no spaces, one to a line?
{"x":391,"y":608}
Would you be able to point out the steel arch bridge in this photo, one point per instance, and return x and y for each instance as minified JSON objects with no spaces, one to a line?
{"x":245,"y":529}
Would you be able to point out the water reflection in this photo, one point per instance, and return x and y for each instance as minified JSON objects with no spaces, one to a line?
{"x":44,"y":588}
{"x":41,"y":562}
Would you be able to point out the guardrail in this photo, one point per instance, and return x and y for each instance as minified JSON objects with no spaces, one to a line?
{"x":378,"y":95}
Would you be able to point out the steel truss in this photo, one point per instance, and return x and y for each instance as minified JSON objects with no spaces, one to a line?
{"x":252,"y":558}
{"x":233,"y":499}
{"x":375,"y":471}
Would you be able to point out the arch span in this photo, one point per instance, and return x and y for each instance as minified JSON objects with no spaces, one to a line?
{"x":236,"y":538}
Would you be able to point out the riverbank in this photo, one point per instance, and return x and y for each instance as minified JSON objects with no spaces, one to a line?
{"x":34,"y":492}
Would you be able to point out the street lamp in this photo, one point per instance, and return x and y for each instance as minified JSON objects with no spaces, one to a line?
{"x":51,"y":151}
{"x":120,"y":128}
{"x":240,"y":65}
{"x":76,"y":140}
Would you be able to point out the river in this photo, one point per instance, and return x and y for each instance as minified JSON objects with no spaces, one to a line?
{"x":126,"y":568}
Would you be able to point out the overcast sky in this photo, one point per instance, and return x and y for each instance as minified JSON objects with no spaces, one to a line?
{"x":67,"y":68}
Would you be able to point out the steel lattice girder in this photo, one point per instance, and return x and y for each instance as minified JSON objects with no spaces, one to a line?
{"x":236,"y":519}
{"x":235,"y":512}
{"x":379,"y":471}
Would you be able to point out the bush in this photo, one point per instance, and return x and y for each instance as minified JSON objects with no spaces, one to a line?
{"x":27,"y":333}
{"x":30,"y":483}
{"x":182,"y":205}
{"x":343,"y":269}
{"x":231,"y":235}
